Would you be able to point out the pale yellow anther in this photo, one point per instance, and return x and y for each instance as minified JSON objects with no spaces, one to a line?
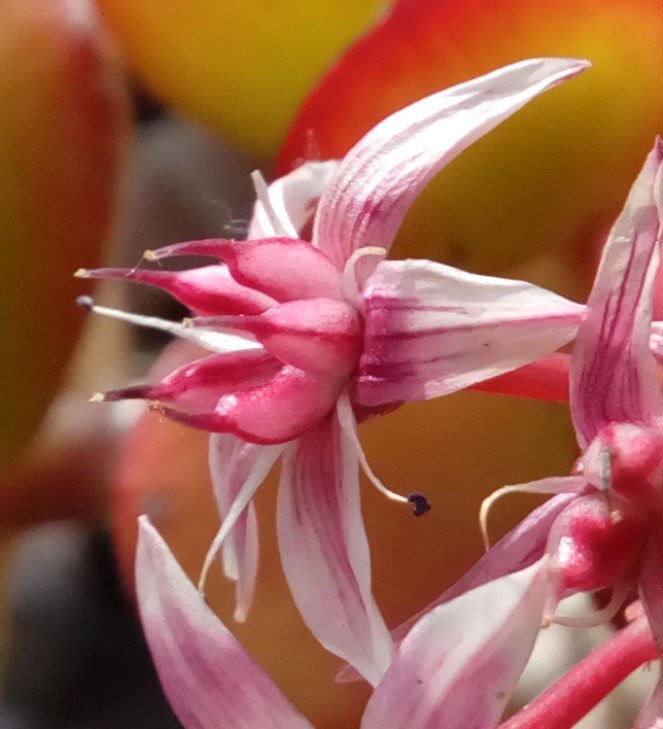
{"x":97,"y":397}
{"x":81,"y":273}
{"x":150,"y":255}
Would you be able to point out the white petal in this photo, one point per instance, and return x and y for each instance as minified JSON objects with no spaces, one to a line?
{"x":293,"y":199}
{"x":324,"y":548}
{"x":386,"y":170}
{"x":431,"y":329}
{"x":237,"y":469}
{"x":457,"y":667}
{"x":233,"y":463}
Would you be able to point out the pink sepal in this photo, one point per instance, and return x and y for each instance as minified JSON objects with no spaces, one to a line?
{"x":324,"y":549}
{"x":613,"y":374}
{"x":595,"y":544}
{"x":458,"y":665}
{"x":317,"y":335}
{"x":207,"y":290}
{"x":292,"y":402}
{"x":197,"y":386}
{"x":209,"y":679}
{"x":285,"y":269}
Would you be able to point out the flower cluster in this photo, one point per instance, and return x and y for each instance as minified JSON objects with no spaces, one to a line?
{"x":302,"y":340}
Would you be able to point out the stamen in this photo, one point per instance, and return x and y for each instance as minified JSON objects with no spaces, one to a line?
{"x":348,"y":425}
{"x":421,"y":503}
{"x":279,"y":226}
{"x":351,"y":284}
{"x":212,"y":340}
{"x":487,"y":505}
{"x":554,"y":485}
{"x":596,"y":617}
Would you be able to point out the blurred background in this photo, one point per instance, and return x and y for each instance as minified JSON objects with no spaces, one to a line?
{"x":129,"y":124}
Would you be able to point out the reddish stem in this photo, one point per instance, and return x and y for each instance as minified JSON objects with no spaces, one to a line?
{"x":580,"y":689}
{"x":545,"y":379}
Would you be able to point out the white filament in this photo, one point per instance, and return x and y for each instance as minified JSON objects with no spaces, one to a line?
{"x":347,"y":422}
{"x":209,"y":339}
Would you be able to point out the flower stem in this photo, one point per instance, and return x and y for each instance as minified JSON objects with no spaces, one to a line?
{"x":581,"y":688}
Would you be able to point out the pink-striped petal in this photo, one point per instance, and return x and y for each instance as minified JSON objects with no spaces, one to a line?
{"x":197,"y":386}
{"x":293,"y":199}
{"x":613,"y":374}
{"x":431,"y":329}
{"x":237,"y":469}
{"x":457,"y":667}
{"x":291,"y":403}
{"x":285,"y":269}
{"x":324,"y":550}
{"x":385,"y":171}
{"x":208,"y":290}
{"x":209,"y":679}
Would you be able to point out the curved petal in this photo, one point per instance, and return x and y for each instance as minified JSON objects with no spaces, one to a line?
{"x":324,"y":550}
{"x":457,"y":667}
{"x":293,"y":199}
{"x":209,"y":679}
{"x":431,"y":329}
{"x":385,"y":171}
{"x":237,"y":469}
{"x":613,"y":374}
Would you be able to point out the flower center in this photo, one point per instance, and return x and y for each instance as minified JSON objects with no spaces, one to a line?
{"x":627,"y":460}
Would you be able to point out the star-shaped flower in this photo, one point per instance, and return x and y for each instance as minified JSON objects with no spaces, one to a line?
{"x":327,"y":332}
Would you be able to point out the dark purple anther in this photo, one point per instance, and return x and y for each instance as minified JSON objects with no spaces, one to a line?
{"x":421,"y":503}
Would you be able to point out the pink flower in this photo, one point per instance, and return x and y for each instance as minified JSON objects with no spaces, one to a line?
{"x":325,"y":332}
{"x":604,"y":529}
{"x":455,"y":668}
